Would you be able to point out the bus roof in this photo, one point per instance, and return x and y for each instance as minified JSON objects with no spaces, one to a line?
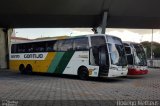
{"x":130,"y":43}
{"x":62,"y":37}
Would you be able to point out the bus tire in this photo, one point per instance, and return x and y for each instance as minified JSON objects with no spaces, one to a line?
{"x":22,"y":69}
{"x":83,"y":73}
{"x":29,"y":69}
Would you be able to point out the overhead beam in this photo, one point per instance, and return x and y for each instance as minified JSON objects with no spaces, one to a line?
{"x":79,"y":13}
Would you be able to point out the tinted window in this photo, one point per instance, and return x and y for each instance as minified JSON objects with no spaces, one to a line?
{"x":50,"y":46}
{"x":39,"y":46}
{"x":128,"y":50}
{"x":81,"y":44}
{"x":59,"y":45}
{"x":55,"y":47}
{"x":65,"y":45}
{"x":98,"y":40}
{"x":45,"y":46}
{"x":14,"y":48}
{"x":29,"y":47}
{"x":21,"y":48}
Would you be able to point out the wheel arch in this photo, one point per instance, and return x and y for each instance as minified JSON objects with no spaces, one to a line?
{"x":80,"y":68}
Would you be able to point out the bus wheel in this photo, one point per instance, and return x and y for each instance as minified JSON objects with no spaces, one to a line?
{"x":29,"y":69}
{"x":22,"y":69}
{"x":83,"y":73}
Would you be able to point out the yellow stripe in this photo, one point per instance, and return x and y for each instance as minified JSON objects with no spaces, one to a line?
{"x":37,"y":65}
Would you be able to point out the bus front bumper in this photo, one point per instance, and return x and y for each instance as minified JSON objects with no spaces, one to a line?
{"x":118,"y":72}
{"x":137,"y":71}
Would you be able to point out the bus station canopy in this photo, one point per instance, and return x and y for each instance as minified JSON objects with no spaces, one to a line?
{"x":79,"y":13}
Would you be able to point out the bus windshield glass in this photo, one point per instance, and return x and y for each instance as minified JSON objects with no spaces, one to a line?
{"x":140,"y":57}
{"x":116,"y":51}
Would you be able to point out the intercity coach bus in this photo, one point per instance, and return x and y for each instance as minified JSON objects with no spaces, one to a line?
{"x":136,"y":57}
{"x":87,"y":55}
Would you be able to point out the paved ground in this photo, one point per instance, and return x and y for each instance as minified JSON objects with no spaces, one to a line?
{"x":14,"y":86}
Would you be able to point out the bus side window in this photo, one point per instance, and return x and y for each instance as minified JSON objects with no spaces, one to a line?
{"x":14,"y":48}
{"x":67,"y":45}
{"x":49,"y":49}
{"x":29,"y":48}
{"x":128,"y":50}
{"x":81,"y":44}
{"x":55,"y":46}
{"x":64,"y":45}
{"x":50,"y":46}
{"x":59,"y":45}
{"x":21,"y":48}
{"x":38,"y":46}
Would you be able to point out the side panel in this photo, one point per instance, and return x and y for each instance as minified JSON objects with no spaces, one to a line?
{"x":38,"y":65}
{"x":57,"y":62}
{"x":63,"y":61}
{"x":42,"y":66}
{"x":80,"y":58}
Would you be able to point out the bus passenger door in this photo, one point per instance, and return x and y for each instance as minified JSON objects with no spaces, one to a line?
{"x":94,"y":57}
{"x":99,"y":54}
{"x":103,"y":59}
{"x":99,"y":57}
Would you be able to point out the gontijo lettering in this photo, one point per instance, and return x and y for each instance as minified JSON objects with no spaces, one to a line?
{"x":28,"y":56}
{"x":33,"y":56}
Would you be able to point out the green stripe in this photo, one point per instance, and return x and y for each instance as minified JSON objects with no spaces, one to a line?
{"x":64,"y":62}
{"x":55,"y":62}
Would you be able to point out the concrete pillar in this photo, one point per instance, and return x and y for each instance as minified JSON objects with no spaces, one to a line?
{"x":3,"y":63}
{"x":102,"y":28}
{"x":5,"y":35}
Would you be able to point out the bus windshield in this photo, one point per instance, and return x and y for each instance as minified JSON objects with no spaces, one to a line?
{"x":140,"y":57}
{"x":117,"y":52}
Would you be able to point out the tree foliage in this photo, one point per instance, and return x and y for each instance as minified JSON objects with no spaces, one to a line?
{"x":155,"y":46}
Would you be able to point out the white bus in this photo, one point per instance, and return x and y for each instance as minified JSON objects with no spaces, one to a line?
{"x":88,"y":55}
{"x":136,"y":57}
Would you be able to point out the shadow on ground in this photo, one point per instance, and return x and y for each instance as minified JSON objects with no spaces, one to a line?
{"x":10,"y":74}
{"x":134,"y":77}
